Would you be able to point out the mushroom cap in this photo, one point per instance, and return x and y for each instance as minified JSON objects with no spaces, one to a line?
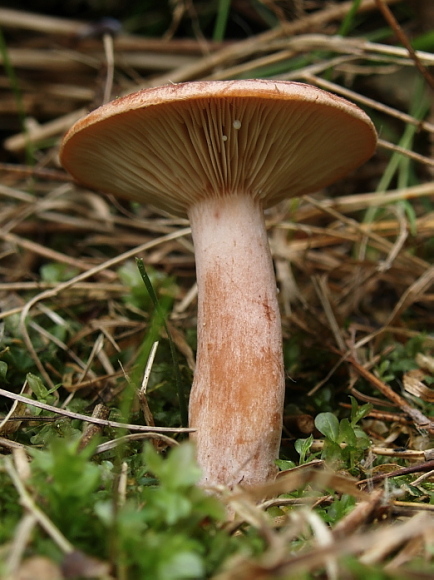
{"x":174,"y":145}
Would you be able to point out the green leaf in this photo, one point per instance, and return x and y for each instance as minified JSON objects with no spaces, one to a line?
{"x":3,"y":370}
{"x":174,"y":506}
{"x":332,"y":452}
{"x":357,"y":412}
{"x":346,"y":433}
{"x":424,"y":41}
{"x":284,"y":464}
{"x":37,"y":386}
{"x":182,"y":565}
{"x":328,"y":425}
{"x":178,"y":470}
{"x":302,"y":446}
{"x":363,"y":441}
{"x":72,"y":474}
{"x":54,"y":272}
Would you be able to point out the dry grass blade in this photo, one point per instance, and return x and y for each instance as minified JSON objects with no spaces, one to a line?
{"x":425,"y":467}
{"x":367,"y":546}
{"x":296,"y":479}
{"x":413,"y":384}
{"x":200,"y":68}
{"x":34,"y":510}
{"x":95,"y":420}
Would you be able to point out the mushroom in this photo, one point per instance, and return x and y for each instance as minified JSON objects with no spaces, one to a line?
{"x":220,"y":152}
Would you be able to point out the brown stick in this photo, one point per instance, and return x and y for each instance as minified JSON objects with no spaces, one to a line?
{"x":420,"y":467}
{"x":94,"y":420}
{"x":417,"y":416}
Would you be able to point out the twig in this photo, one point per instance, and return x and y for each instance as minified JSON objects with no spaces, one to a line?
{"x":371,"y":103}
{"x":95,"y":420}
{"x":40,"y":172}
{"x":50,"y":129}
{"x":202,"y":67}
{"x":417,"y":416}
{"x":363,"y":512}
{"x":91,"y":430}
{"x":406,"y":152}
{"x":143,"y":388}
{"x":108,"y":445}
{"x":22,"y":535}
{"x":38,"y":22}
{"x":420,"y":467}
{"x":11,"y":445}
{"x":356,"y":202}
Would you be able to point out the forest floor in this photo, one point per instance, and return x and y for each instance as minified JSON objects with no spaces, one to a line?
{"x":85,"y":498}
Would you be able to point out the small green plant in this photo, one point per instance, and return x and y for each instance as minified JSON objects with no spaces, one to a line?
{"x":168,"y":530}
{"x":138,"y":295}
{"x":65,"y":480}
{"x":55,"y":272}
{"x":345,"y":442}
{"x":165,"y":527}
{"x":302,"y":446}
{"x":401,"y":359}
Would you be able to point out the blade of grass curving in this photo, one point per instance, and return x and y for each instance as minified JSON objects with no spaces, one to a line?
{"x":222,"y":20}
{"x":135,"y":378}
{"x":348,"y":22}
{"x":399,"y":166}
{"x":162,"y":319}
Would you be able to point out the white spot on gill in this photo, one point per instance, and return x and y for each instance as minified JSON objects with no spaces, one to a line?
{"x":236,"y":124}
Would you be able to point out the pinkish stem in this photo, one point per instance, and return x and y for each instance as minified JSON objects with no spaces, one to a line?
{"x":236,"y":402}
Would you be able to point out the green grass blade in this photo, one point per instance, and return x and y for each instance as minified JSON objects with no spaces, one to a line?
{"x":162,"y":319}
{"x":222,"y":20}
{"x":348,"y":21}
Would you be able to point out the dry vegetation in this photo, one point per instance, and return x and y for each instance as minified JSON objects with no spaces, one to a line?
{"x":354,"y":266}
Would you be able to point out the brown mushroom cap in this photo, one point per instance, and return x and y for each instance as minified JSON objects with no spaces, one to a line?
{"x":173,"y":145}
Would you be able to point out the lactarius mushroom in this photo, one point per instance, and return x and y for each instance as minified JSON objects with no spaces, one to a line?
{"x":220,"y":152}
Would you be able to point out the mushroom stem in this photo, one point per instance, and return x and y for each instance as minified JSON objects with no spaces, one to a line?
{"x":236,"y":403}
